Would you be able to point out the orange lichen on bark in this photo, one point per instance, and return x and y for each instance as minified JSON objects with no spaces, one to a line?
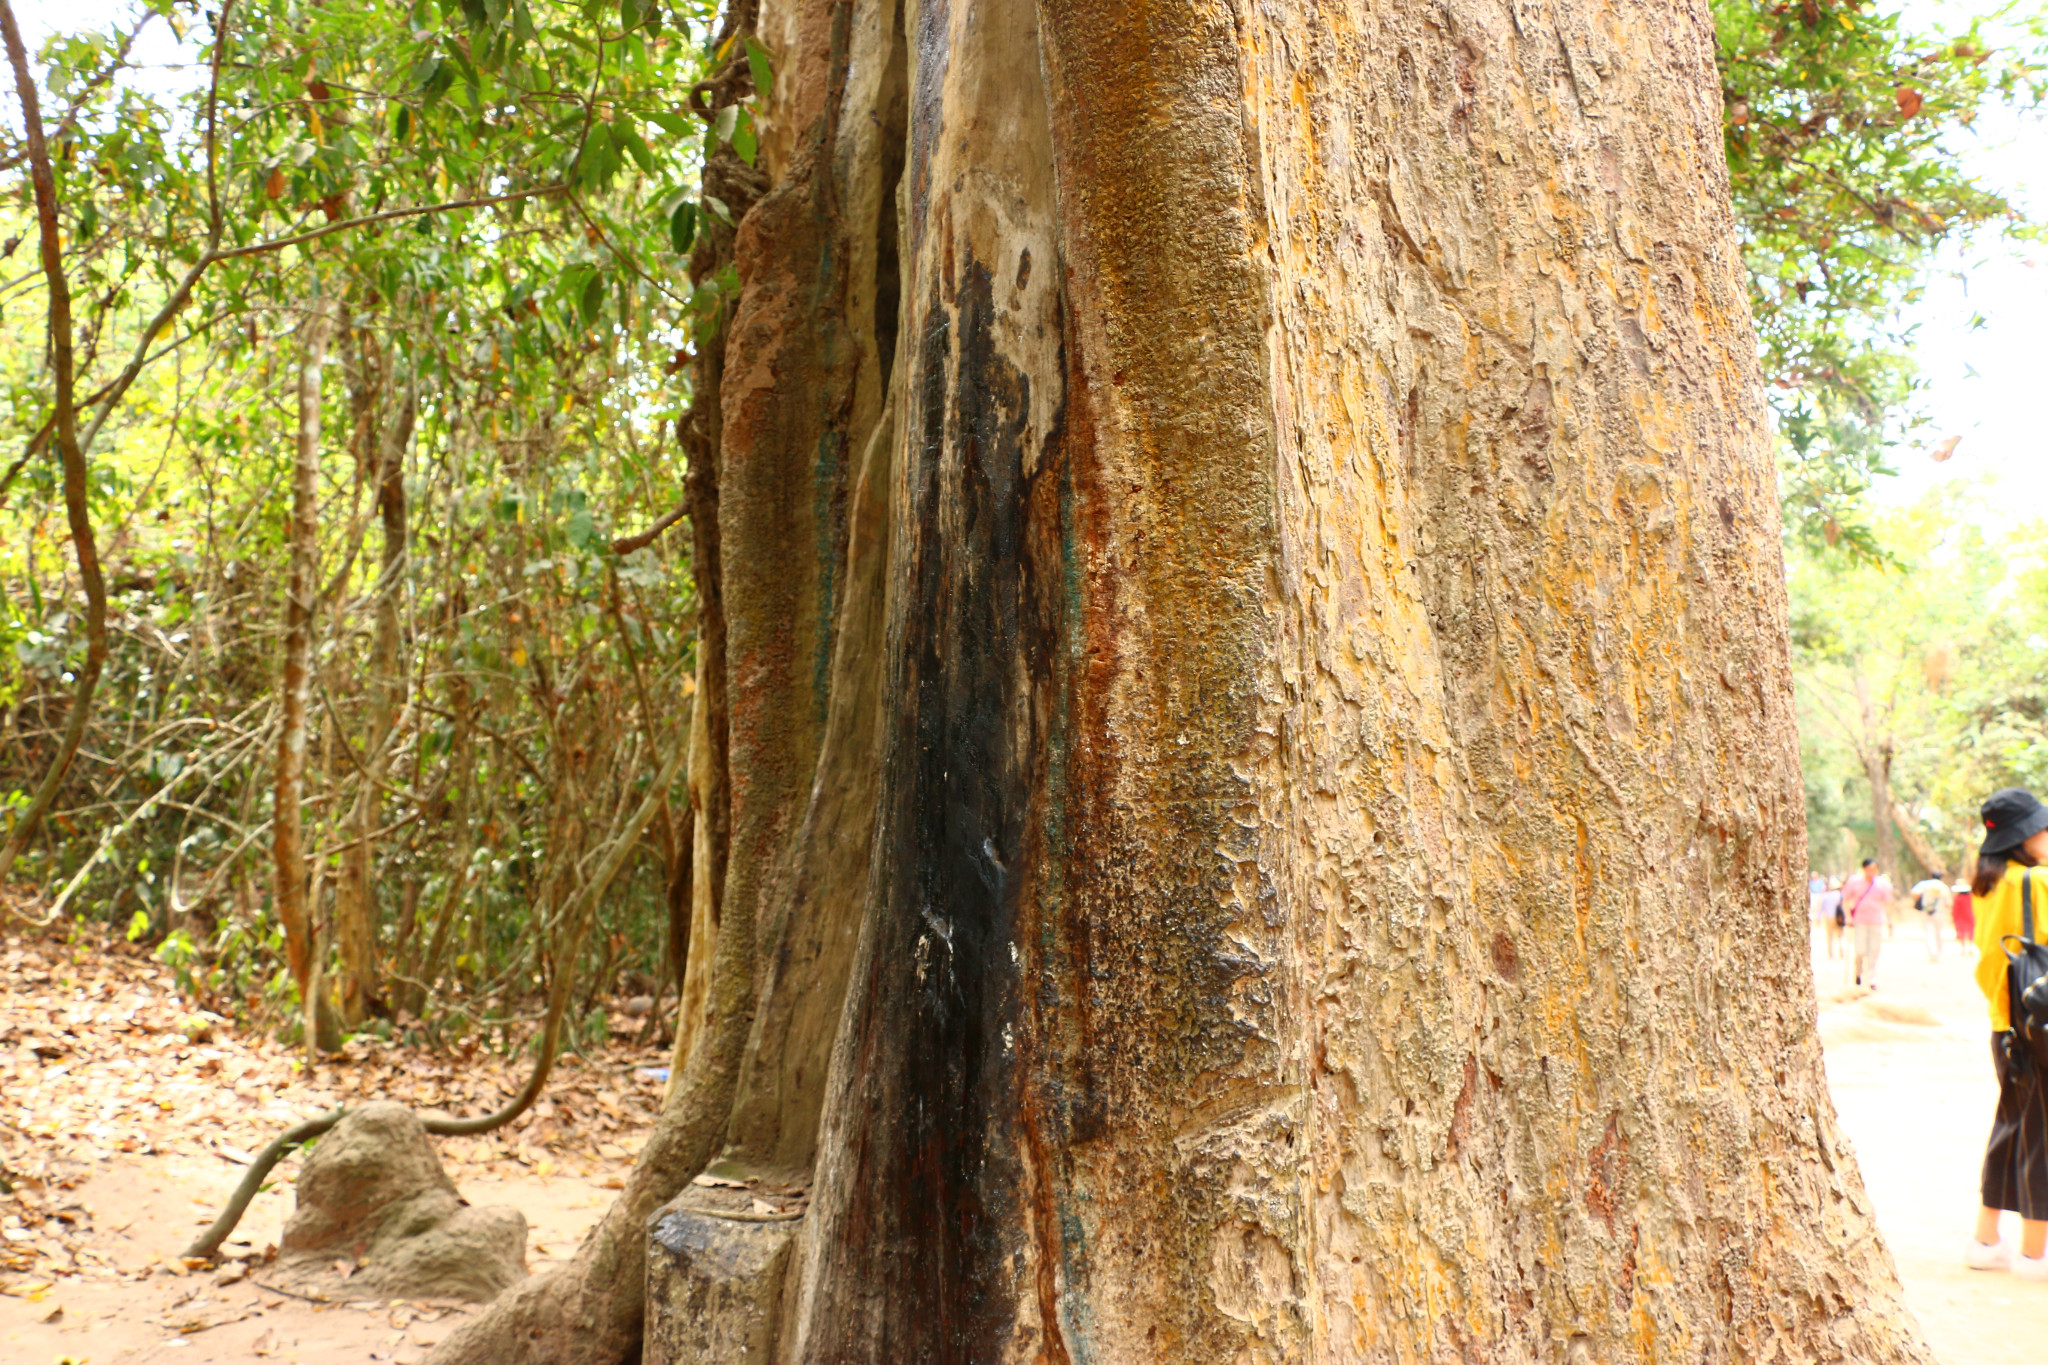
{"x":1335,"y":668}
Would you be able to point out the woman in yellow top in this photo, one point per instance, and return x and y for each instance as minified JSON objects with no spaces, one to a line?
{"x":2016,"y":1159}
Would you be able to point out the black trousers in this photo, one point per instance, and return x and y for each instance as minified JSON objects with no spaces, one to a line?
{"x":2016,"y":1159}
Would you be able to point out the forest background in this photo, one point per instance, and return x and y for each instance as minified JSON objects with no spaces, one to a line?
{"x":370,"y":705}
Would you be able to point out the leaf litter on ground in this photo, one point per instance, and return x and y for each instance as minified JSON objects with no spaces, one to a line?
{"x":101,"y":1059}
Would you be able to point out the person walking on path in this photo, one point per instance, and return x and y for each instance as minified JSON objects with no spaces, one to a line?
{"x":1832,"y":918}
{"x":2016,"y":1158}
{"x":1929,"y":895}
{"x":1964,"y":917}
{"x":1867,"y":901}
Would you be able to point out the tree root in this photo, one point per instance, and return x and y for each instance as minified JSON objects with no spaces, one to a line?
{"x":208,"y":1243}
{"x":592,"y":1310}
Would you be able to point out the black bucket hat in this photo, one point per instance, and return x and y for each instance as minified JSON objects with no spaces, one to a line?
{"x":2011,"y":817}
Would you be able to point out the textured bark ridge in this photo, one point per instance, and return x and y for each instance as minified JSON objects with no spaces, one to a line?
{"x":1247,"y":663}
{"x":1336,"y":893}
{"x":1534,"y":763}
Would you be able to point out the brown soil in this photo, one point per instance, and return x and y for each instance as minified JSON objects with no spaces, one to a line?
{"x":150,"y":1308}
{"x":125,"y":1120}
{"x":122,"y":1137}
{"x":1910,"y":1071}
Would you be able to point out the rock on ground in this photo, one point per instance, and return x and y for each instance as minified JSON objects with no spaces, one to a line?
{"x":374,"y":1199}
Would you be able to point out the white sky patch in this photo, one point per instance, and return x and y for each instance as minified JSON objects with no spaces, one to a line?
{"x":1982,"y":340}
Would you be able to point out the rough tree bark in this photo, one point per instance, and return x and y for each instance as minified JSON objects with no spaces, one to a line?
{"x":1270,"y":707}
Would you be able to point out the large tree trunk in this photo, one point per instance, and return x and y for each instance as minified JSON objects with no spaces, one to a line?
{"x":1312,"y":772}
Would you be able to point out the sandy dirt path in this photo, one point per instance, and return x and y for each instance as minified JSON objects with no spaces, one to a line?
{"x":1910,"y":1070}
{"x":152,"y":1312}
{"x":126,"y":1117}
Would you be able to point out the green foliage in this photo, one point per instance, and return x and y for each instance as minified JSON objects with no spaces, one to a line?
{"x":1841,"y":131}
{"x":498,"y":197}
{"x":1940,"y":633}
{"x":181,"y":955}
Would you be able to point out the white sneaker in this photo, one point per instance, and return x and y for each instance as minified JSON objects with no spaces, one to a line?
{"x":2030,"y":1267}
{"x":1996,"y":1256}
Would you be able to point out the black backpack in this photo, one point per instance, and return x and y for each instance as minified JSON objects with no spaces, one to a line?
{"x":2026,"y":984}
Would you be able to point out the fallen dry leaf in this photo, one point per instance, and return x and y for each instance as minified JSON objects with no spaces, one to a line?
{"x":93,"y":1066}
{"x":93,"y":1063}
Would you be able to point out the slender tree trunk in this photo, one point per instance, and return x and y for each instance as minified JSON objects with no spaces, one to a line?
{"x":405,"y":938}
{"x":70,"y":453}
{"x":1331,"y":852}
{"x":464,"y":818}
{"x":323,"y":1021}
{"x":693,"y":966}
{"x":1876,"y":751}
{"x":288,"y":850}
{"x":354,"y":896}
{"x":355,"y":902}
{"x":1916,"y":843}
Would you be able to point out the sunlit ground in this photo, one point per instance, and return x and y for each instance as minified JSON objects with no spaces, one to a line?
{"x":1910,"y":1071}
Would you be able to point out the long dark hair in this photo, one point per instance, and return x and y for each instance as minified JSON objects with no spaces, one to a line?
{"x":1991,"y":869}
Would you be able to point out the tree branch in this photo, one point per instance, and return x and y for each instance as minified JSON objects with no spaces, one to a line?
{"x":626,"y":545}
{"x":1909,"y":830}
{"x":69,"y":449}
{"x":388,"y":216}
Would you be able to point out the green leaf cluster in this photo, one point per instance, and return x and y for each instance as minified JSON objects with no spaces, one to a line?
{"x":499,"y":200}
{"x":1930,"y":655}
{"x":1842,"y":130}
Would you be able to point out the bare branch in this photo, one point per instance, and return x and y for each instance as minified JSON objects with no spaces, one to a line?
{"x":69,"y":449}
{"x":388,"y":216}
{"x":626,"y":545}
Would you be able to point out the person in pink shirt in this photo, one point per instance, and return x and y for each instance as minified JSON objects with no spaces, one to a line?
{"x":1867,"y":901}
